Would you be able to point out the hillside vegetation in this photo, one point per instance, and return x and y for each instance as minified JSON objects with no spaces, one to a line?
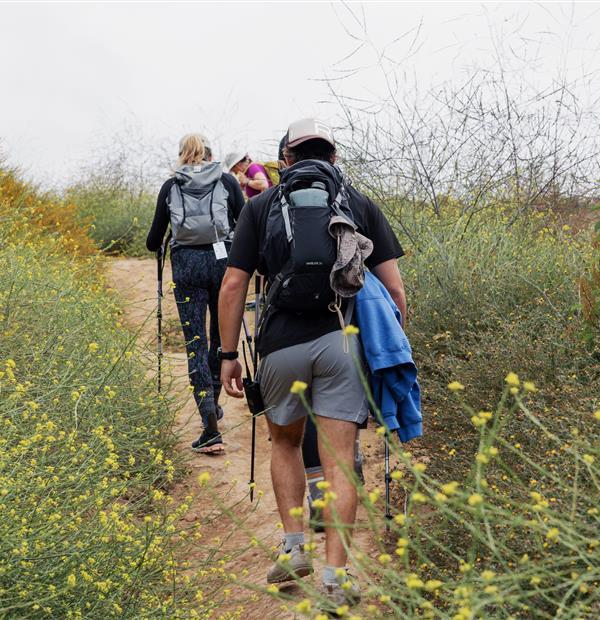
{"x":86,"y":446}
{"x":495,"y":509}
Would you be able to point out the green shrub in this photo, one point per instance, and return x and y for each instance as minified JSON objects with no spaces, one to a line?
{"x":120,"y":216}
{"x":86,"y":448}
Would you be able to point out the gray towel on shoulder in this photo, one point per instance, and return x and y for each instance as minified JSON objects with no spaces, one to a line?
{"x":348,"y":273}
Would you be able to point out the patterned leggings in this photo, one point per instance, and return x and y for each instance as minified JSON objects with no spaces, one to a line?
{"x":197,"y":275}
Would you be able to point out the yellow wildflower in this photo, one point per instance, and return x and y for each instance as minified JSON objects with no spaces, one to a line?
{"x":475,"y":499}
{"x":304,"y":606}
{"x":298,"y":387}
{"x":385,"y":558}
{"x":351,"y":330}
{"x":433,"y":584}
{"x":477,"y":421}
{"x":449,"y":488}
{"x":414,"y":582}
{"x":93,"y":347}
{"x":203,"y":478}
{"x":456,"y":386}
{"x":512,"y":379}
{"x":296,"y":512}
{"x":552,"y":534}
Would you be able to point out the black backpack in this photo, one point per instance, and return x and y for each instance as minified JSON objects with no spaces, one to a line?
{"x":297,"y":245}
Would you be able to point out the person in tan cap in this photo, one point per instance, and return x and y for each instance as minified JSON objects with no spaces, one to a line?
{"x":284,"y":234}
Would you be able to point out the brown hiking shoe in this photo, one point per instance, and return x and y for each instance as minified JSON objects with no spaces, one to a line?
{"x":290,"y":565}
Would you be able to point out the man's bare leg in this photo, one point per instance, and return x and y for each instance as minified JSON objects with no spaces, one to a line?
{"x":287,"y":471}
{"x":336,"y":451}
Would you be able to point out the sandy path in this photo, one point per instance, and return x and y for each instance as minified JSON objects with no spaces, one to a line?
{"x":135,"y":282}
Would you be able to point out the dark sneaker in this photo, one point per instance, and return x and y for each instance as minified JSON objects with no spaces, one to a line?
{"x":336,"y":595}
{"x":290,"y":565}
{"x":208,"y":443}
{"x":315,"y":517}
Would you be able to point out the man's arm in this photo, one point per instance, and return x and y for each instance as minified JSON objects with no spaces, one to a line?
{"x":232,"y":299}
{"x":389,"y":275}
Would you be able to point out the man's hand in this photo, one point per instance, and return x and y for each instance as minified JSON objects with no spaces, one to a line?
{"x":232,"y":299}
{"x":231,"y":377}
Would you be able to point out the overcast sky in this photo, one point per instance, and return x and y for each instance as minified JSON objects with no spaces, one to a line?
{"x":73,"y":75}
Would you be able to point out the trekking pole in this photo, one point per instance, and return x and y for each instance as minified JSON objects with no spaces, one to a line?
{"x":248,"y":338}
{"x":159,"y":295}
{"x":248,"y":382}
{"x":388,"y":479}
{"x":257,"y":287}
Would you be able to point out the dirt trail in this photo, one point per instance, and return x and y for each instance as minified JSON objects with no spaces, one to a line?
{"x":135,"y":282}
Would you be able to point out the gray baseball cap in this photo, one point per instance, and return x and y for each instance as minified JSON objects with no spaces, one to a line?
{"x":309,"y":129}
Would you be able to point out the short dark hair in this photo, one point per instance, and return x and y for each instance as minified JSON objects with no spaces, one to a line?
{"x":311,"y":149}
{"x":282,"y":145}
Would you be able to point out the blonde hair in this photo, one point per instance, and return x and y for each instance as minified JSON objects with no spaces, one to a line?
{"x":191,"y":150}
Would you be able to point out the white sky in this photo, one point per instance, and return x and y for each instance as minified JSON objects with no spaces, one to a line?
{"x":73,"y":75}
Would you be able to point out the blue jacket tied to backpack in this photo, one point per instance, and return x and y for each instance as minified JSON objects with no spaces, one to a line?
{"x":393,"y":374}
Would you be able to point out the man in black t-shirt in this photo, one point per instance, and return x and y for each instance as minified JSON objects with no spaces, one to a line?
{"x":297,"y":346}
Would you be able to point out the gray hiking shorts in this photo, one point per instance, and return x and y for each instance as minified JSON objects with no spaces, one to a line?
{"x":335,"y":389}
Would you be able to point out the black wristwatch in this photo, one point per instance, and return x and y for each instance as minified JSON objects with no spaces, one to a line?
{"x":226,"y":355}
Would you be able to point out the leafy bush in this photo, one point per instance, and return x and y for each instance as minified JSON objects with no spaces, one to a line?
{"x":473,"y":547}
{"x":86,"y":445}
{"x":502,"y":492}
{"x":120,"y":216}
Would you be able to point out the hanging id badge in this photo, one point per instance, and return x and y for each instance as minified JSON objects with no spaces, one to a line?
{"x":219,"y":247}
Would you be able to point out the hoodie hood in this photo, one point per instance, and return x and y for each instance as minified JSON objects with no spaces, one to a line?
{"x":199,"y":177}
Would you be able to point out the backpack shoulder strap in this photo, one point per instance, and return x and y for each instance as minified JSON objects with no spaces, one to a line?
{"x":285,"y":214}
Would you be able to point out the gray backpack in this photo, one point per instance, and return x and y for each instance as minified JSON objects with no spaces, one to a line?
{"x":198,"y":206}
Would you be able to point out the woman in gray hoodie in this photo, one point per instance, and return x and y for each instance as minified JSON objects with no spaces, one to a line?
{"x":201,"y":204}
